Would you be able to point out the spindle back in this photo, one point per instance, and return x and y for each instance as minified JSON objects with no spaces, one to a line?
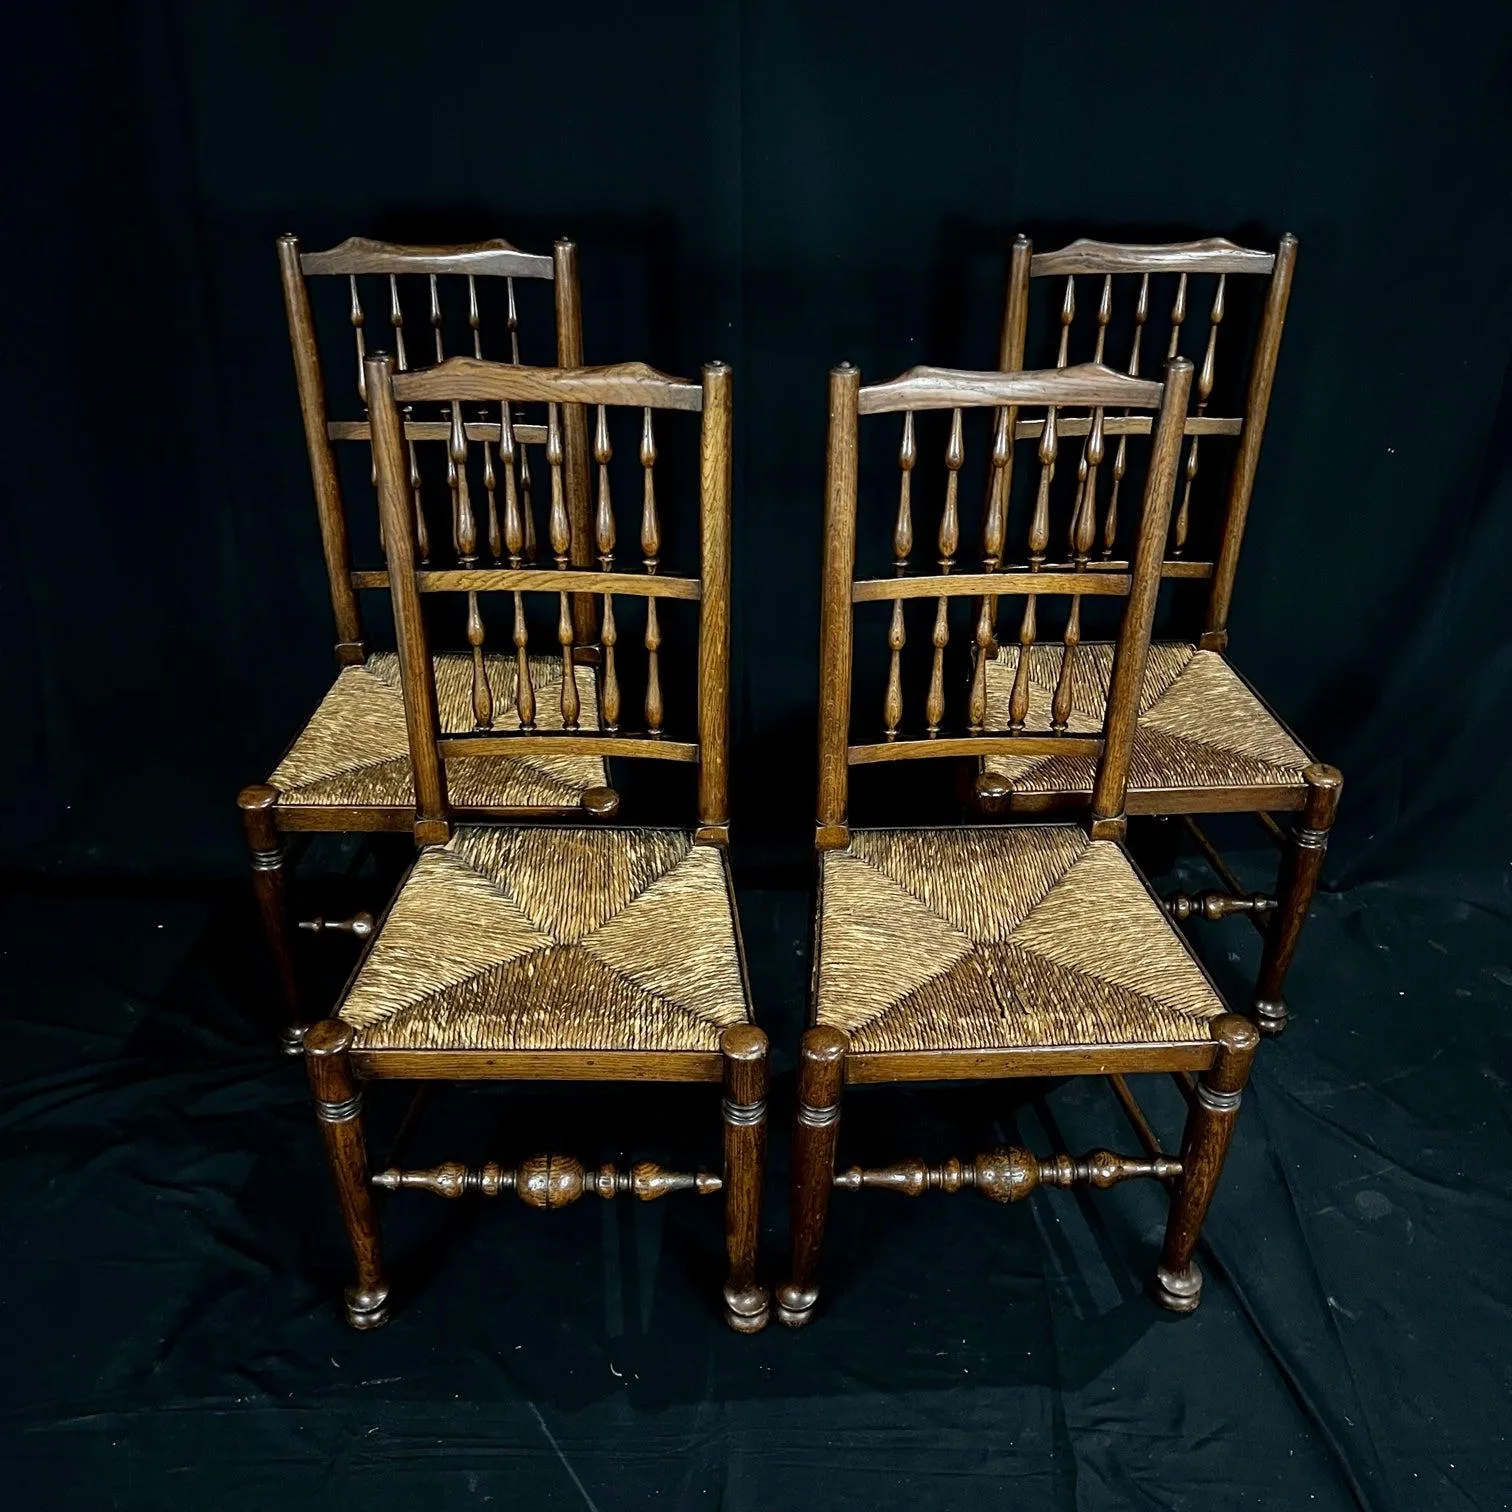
{"x":1029,"y":730}
{"x":390,"y":274}
{"x":461,"y":380}
{"x":1156,"y":315}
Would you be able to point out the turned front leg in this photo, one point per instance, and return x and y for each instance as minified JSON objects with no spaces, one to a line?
{"x":338,"y":1106}
{"x":744,"y":1047}
{"x":1210,"y":1127}
{"x":1300,"y":869}
{"x":258,"y":810}
{"x":821,"y":1073}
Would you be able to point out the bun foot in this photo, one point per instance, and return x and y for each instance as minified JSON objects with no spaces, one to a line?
{"x":367,"y":1309}
{"x":1271,"y":1016}
{"x":1178,"y":1291}
{"x":795,"y":1307}
{"x":747,"y":1311}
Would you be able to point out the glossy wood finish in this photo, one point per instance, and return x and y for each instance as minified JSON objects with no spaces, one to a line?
{"x":1111,"y":787}
{"x":330,"y":511}
{"x":1217,"y":257}
{"x":630,"y":384}
{"x":569,"y":354}
{"x":1242,"y":480}
{"x":1089,"y":384}
{"x":747,"y":1302}
{"x":1210,"y":1127}
{"x":269,"y":887}
{"x":741,"y":1063}
{"x":821,"y":1074}
{"x":835,"y":628}
{"x":829,"y":1060}
{"x":338,"y":1108}
{"x":1301,"y":866}
{"x":365,"y":258}
{"x":432,"y":817}
{"x":1007,"y":1175}
{"x":548,"y":1181}
{"x":715,"y":472}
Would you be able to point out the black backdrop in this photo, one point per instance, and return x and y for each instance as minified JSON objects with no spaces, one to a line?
{"x":782,"y":185}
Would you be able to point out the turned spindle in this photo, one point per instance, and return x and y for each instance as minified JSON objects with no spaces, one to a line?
{"x":603,"y":454}
{"x":892,"y":704}
{"x":559,"y":528}
{"x":549,"y":1182}
{"x":654,"y":710}
{"x":514,"y":524}
{"x":464,"y":526}
{"x":1007,"y":1175}
{"x":482,"y":694}
{"x":1121,"y":454}
{"x":524,"y":688}
{"x":1067,"y":315}
{"x":908,"y":455}
{"x":1039,"y":540}
{"x":650,"y":531}
{"x":608,"y":640}
{"x":571,"y":704}
{"x":1205,"y":377}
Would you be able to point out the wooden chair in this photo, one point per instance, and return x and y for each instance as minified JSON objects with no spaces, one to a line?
{"x":348,"y":769}
{"x":1207,"y":742}
{"x":552,"y":951}
{"x":997,"y":951}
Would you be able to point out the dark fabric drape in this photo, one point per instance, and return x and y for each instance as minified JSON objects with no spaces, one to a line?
{"x":782,"y":185}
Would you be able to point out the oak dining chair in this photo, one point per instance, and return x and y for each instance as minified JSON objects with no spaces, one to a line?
{"x":999,"y":951}
{"x":1207,"y":742}
{"x":553,"y":951}
{"x":348,"y":769}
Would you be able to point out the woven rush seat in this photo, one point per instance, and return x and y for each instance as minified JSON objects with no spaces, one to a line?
{"x":1200,"y":725}
{"x":354,"y":752}
{"x":996,"y":938}
{"x":515,"y":938}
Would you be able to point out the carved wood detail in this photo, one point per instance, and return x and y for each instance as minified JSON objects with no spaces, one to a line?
{"x":549,"y":1181}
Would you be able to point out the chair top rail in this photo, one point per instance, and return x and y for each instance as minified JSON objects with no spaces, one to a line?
{"x":626,"y":383}
{"x":1086,"y":383}
{"x":496,"y":258}
{"x":1213,"y":254}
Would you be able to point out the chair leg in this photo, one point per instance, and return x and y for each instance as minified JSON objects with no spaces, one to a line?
{"x":821,"y":1072}
{"x":1210,"y":1126}
{"x":338,"y":1106}
{"x":747,"y":1302}
{"x":1299,"y":880}
{"x":268,"y":883}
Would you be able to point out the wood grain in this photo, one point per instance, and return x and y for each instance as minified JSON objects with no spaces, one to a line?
{"x":1213,"y":254}
{"x":359,"y":254}
{"x":631,"y":383}
{"x":1086,"y":383}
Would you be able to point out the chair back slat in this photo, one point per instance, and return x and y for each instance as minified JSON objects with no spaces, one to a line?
{"x":467,"y":379}
{"x":1027,"y":725}
{"x":504,"y":524}
{"x":1215,"y":259}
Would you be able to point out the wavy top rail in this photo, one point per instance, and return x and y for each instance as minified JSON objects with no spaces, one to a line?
{"x":1087,"y":383}
{"x":629,"y":383}
{"x":359,"y":254}
{"x":1212,"y":254}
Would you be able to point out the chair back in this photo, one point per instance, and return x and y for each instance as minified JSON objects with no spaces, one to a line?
{"x":1029,"y":725}
{"x":1142,"y":296}
{"x":498,"y":386}
{"x":392,"y":278}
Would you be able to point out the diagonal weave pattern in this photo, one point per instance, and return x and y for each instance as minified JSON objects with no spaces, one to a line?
{"x":354,"y":752}
{"x":989,"y":938}
{"x":555,"y":939}
{"x":1199,"y":725}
